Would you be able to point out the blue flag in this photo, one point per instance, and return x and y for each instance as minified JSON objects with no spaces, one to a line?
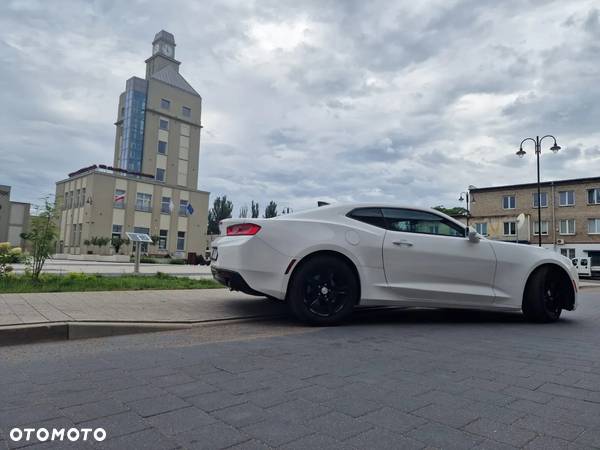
{"x":190,"y":210}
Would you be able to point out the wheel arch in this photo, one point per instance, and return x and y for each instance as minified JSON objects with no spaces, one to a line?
{"x":562,"y":272}
{"x":315,"y":254}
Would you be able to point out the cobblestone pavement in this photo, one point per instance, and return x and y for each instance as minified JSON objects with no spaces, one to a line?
{"x":388,"y":379}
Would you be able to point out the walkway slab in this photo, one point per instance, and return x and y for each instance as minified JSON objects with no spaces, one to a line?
{"x":159,"y":306}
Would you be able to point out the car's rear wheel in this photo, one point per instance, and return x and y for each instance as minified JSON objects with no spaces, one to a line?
{"x":323,"y":291}
{"x":545,"y":295}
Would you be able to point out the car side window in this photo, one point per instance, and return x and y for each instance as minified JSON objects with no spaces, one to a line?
{"x":372,"y":216}
{"x":413,"y":221}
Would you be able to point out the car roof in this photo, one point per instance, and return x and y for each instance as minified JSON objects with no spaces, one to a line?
{"x":344,"y":208}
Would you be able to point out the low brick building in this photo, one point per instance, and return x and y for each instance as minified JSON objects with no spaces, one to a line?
{"x":570,"y":215}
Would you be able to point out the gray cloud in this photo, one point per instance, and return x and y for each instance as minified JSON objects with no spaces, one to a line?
{"x":400,"y":101}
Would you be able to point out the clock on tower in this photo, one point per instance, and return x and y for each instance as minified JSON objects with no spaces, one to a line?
{"x":164,"y":44}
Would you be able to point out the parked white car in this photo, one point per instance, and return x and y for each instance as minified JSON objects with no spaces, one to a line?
{"x":326,"y":260}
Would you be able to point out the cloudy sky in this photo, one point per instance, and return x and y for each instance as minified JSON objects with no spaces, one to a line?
{"x":307,"y":100}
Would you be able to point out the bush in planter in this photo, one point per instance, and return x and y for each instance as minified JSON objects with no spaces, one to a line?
{"x":147,"y":260}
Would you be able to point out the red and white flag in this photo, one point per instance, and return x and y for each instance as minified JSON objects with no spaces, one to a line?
{"x":119,"y":197}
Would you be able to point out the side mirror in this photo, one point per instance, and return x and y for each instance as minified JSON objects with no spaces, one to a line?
{"x":473,"y":235}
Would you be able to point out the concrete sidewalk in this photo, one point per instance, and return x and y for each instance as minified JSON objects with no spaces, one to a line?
{"x":160,"y":306}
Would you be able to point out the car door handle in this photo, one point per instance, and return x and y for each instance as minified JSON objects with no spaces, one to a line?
{"x":403,"y":242}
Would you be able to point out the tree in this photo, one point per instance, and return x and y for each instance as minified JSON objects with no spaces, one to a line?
{"x":117,"y":242}
{"x":221,"y":209}
{"x":254,"y":210}
{"x":42,"y":236}
{"x":244,"y":211}
{"x":271,"y":210}
{"x":455,"y":211}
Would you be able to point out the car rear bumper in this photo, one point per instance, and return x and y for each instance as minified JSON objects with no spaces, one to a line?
{"x":234,"y":281}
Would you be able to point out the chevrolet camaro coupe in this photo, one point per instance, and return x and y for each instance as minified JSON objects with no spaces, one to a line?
{"x":327,"y":260}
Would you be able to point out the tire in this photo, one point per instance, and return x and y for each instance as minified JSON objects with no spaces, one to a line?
{"x":544,"y":296}
{"x":323,"y":291}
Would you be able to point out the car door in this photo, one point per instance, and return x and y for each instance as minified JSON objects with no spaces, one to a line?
{"x":428,"y":258}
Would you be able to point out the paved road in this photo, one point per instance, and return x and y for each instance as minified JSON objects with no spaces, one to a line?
{"x":183,"y":306}
{"x":388,"y":379}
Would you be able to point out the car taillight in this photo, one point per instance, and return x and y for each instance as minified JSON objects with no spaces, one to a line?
{"x":243,"y":229}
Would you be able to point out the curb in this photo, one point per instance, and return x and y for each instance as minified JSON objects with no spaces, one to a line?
{"x":61,"y":331}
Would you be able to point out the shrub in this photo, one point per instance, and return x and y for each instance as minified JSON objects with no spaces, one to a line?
{"x":177,"y":261}
{"x":147,"y":260}
{"x":8,"y":255}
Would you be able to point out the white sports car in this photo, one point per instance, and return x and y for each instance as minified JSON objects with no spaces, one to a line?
{"x":326,"y":260}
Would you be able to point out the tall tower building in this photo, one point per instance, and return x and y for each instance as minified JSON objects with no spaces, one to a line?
{"x":152,"y":185}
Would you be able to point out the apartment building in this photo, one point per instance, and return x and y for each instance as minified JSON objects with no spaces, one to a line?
{"x":570,"y":215}
{"x":14,"y":218}
{"x":152,"y":185}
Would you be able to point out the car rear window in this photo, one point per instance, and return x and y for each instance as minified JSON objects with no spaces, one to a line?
{"x":372,"y":216}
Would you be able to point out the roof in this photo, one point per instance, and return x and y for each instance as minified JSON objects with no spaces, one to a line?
{"x":163,"y":35}
{"x":170,"y":76}
{"x":531,"y":185}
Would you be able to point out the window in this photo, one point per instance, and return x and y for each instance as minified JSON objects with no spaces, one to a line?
{"x":481,"y":228}
{"x":509,"y":202}
{"x":76,"y":199}
{"x":66,"y":204}
{"x":566,"y":198}
{"x":163,"y":124}
{"x":165,"y":104}
{"x":119,"y":200}
{"x":568,"y":252}
{"x":73,"y":234}
{"x":143,"y":202}
{"x":71,"y":193}
{"x":567,"y":226}
{"x":181,"y":240}
{"x":543,"y":199}
{"x":372,"y":216}
{"x":144,"y":245}
{"x":117,"y":231}
{"x":82,"y":203}
{"x":183,"y":204}
{"x":162,"y":147}
{"x":186,"y":112}
{"x":422,"y":222}
{"x":79,"y":233}
{"x":510,"y":228}
{"x":593,"y":196}
{"x":162,"y":239}
{"x":165,"y":205}
{"x":544,"y":228}
{"x":160,"y":174}
{"x":593,"y":226}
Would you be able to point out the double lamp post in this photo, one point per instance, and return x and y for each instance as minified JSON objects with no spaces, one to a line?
{"x":538,"y":149}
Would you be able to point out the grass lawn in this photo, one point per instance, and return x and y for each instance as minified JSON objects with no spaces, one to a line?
{"x":79,"y":282}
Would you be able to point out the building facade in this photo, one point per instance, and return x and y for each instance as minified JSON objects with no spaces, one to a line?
{"x":152,"y":186}
{"x":570,"y":215}
{"x":14,"y":218}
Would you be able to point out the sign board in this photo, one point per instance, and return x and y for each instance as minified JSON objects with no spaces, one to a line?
{"x":138,"y":237}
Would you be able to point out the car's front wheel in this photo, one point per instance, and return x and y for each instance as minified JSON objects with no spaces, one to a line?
{"x":323,"y":291}
{"x":544,"y":296}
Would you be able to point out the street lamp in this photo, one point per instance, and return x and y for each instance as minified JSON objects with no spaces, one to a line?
{"x":538,"y":149}
{"x":466,"y":196}
{"x":461,"y":198}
